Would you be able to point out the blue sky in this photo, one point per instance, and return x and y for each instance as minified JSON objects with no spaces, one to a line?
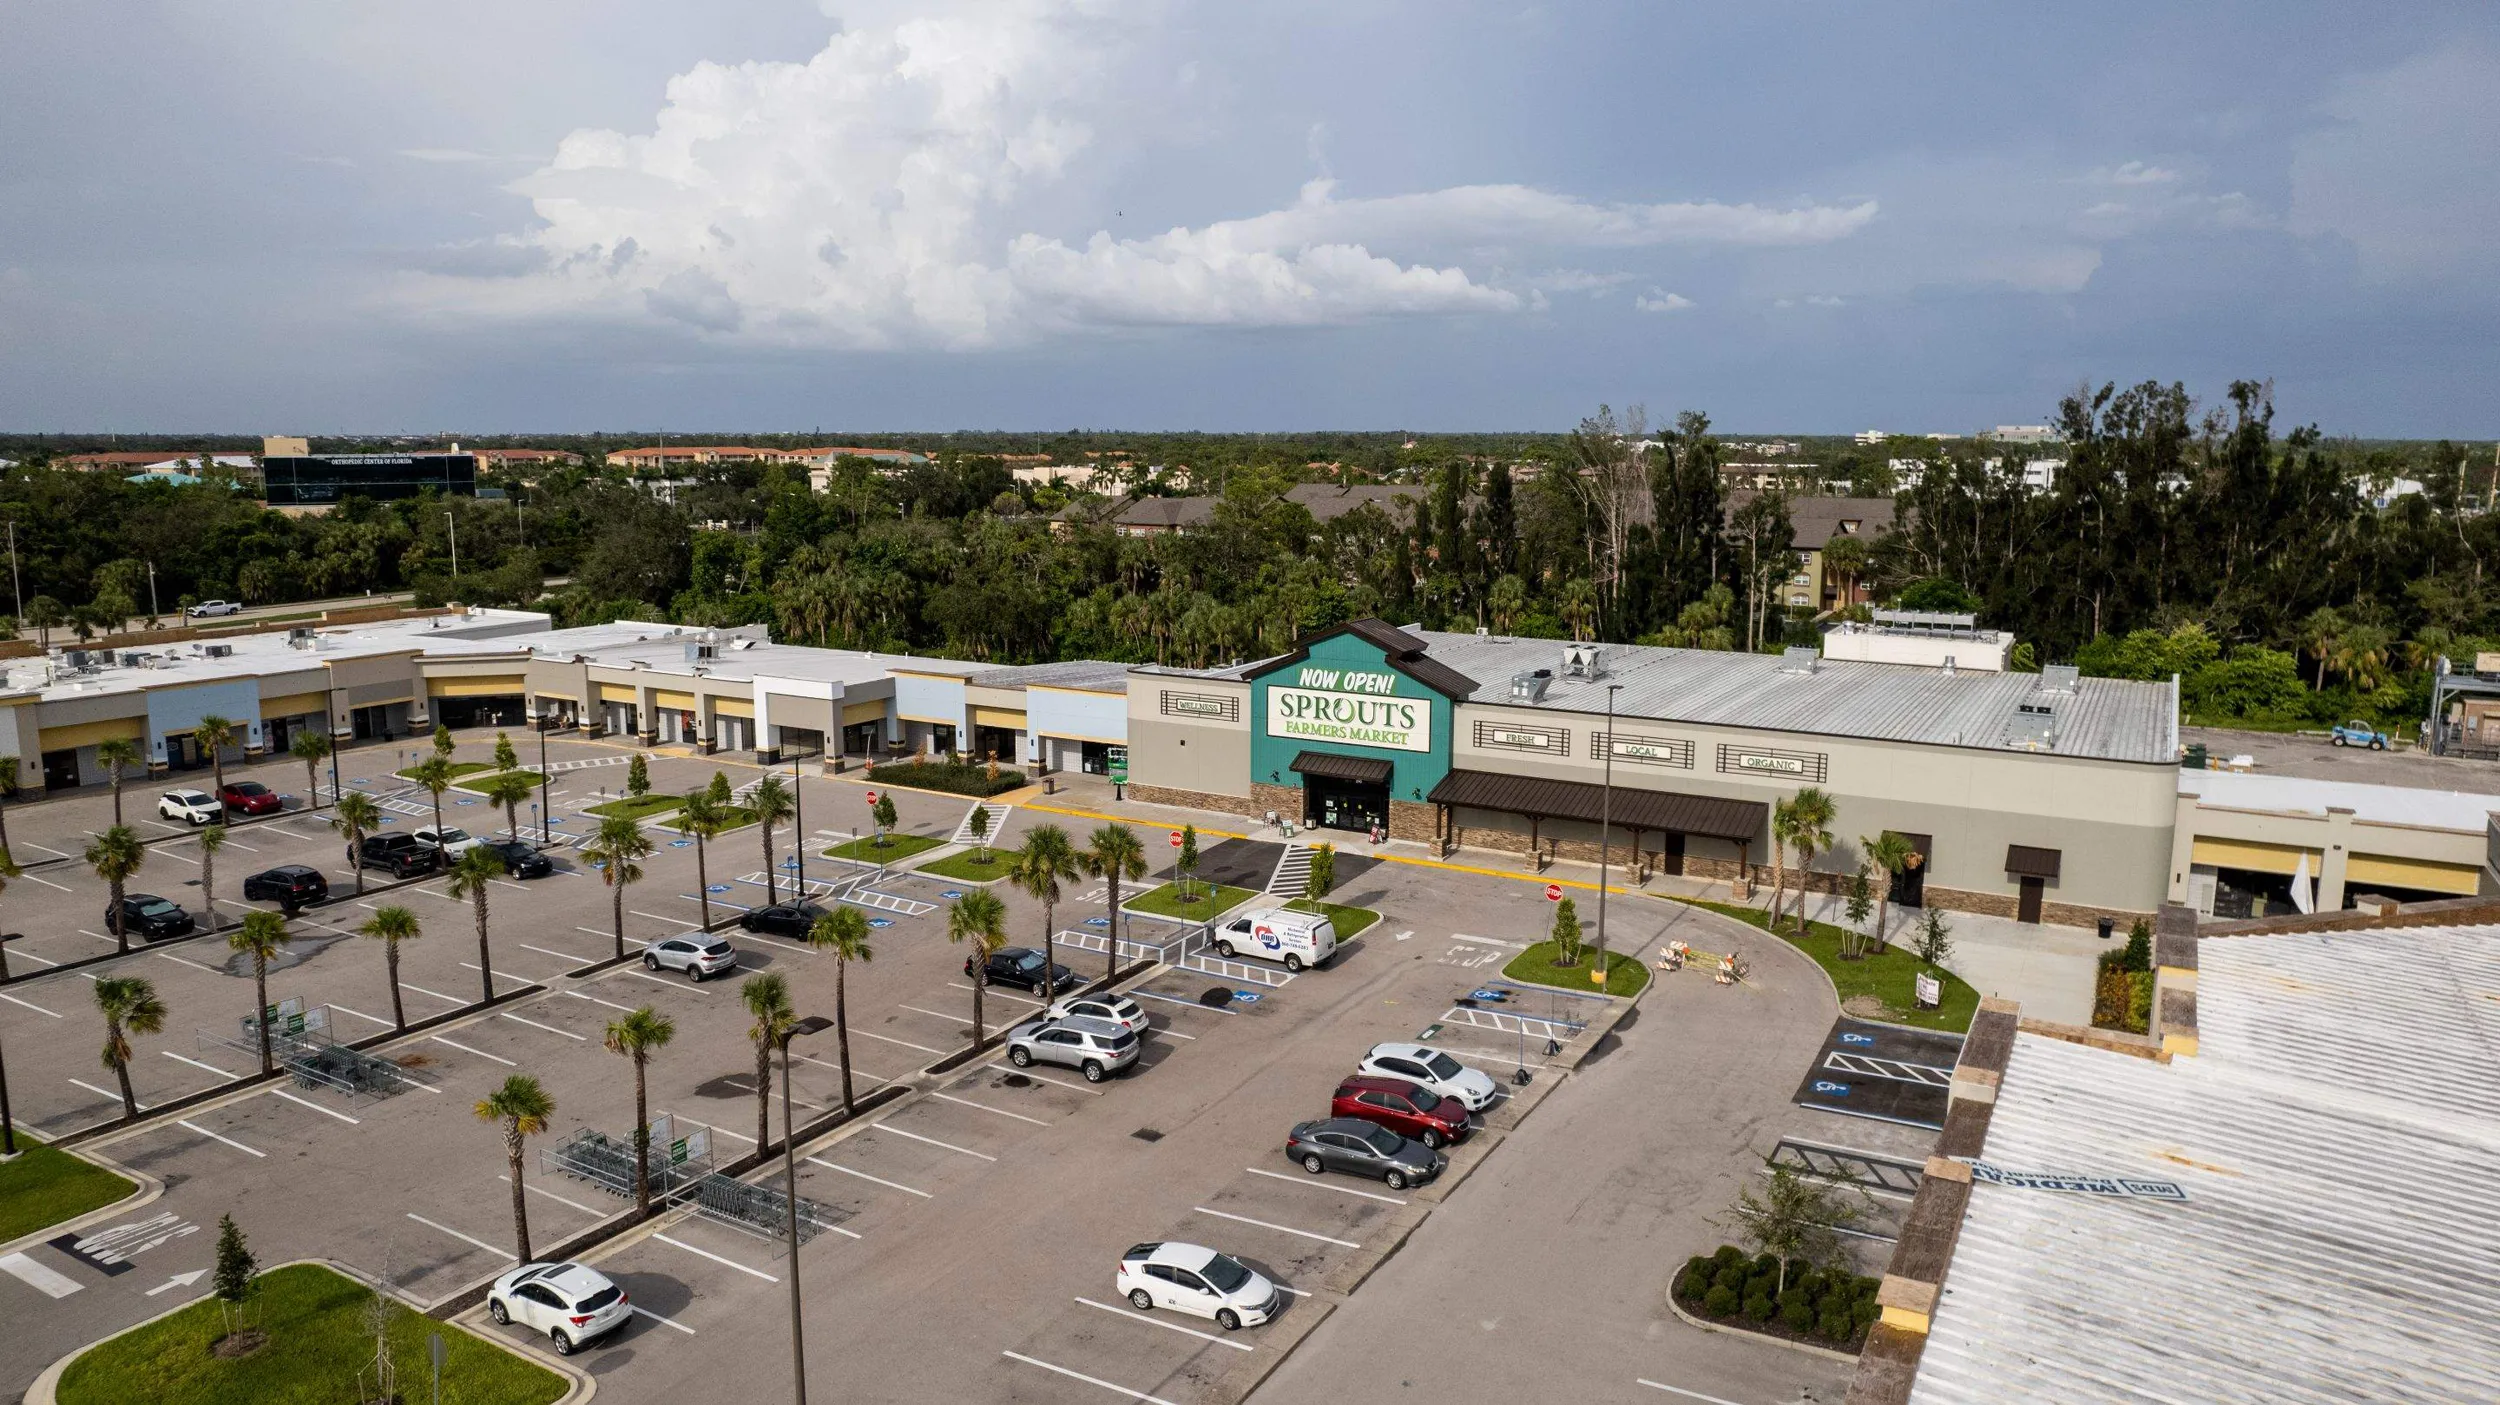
{"x":298,"y":216}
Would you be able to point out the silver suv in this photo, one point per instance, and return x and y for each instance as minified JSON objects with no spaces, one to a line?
{"x":1096,"y":1048}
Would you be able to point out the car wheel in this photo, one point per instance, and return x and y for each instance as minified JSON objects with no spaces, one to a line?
{"x":1141,"y":1300}
{"x":695,"y":974}
{"x":2378,"y":746}
{"x":1020,"y":1056}
{"x":496,"y":1310}
{"x":1228,"y":1319}
{"x":1093,"y":1072}
{"x":650,"y":963}
{"x":1313,"y":1165}
{"x":1225,"y":950}
{"x":1396,"y":1180}
{"x":1431,"y":1139}
{"x":564,"y":1344}
{"x":1294,"y":964}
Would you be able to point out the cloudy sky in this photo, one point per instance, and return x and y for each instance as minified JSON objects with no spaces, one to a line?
{"x":487,"y":216}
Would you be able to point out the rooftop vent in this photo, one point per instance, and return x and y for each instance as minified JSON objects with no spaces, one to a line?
{"x":1583,"y":661}
{"x":703,"y":652}
{"x":74,"y":658}
{"x":741,"y":643}
{"x":1795,"y":659}
{"x":1530,"y":687}
{"x":132,"y":658}
{"x":2058,"y":678}
{"x":301,"y":638}
{"x":218,"y":651}
{"x":1948,"y":665}
{"x":2033,"y":726}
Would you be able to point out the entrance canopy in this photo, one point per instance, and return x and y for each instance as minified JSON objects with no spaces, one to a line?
{"x":1328,"y":765}
{"x":1630,"y":808}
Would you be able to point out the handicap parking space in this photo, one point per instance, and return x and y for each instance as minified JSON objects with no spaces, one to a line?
{"x":1882,"y":1072}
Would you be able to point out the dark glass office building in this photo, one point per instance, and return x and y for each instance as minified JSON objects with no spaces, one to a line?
{"x":317,"y":480}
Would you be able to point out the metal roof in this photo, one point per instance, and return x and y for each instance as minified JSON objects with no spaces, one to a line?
{"x":1084,"y":675}
{"x":1330,"y":766}
{"x":2335,"y":1136}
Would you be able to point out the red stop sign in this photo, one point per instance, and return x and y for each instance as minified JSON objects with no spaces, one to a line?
{"x":1176,"y":839}
{"x":1553,"y":892}
{"x":872,"y":797}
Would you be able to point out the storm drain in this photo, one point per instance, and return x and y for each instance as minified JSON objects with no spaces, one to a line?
{"x":1147,"y":1134}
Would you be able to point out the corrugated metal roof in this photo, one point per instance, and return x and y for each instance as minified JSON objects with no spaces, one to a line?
{"x":2336,"y":1136}
{"x":1329,"y":765}
{"x":1089,"y":675}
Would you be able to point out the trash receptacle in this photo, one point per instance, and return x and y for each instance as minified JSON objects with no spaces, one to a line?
{"x":2108,"y":926}
{"x":2195,"y":759}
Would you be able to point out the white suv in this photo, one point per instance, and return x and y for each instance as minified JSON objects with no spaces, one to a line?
{"x":198,"y":807}
{"x":1110,"y":1008}
{"x":1092,"y":1047}
{"x":697,"y":954}
{"x":1417,"y":1063}
{"x":572,"y":1304}
{"x":1194,"y":1279}
{"x":450,"y":840}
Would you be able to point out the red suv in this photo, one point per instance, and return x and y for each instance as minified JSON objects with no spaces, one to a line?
{"x":250,"y":798}
{"x":1408,"y":1109}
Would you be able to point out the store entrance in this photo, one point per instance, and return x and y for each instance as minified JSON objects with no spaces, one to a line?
{"x":1329,"y":803}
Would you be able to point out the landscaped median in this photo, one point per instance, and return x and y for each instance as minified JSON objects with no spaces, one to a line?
{"x":1350,"y":922}
{"x":42,"y":1186}
{"x":1883,"y":982}
{"x":967,"y":867}
{"x":1206,"y":901}
{"x":1540,"y":965}
{"x":894,"y":848}
{"x":951,"y":777}
{"x":636,"y":807}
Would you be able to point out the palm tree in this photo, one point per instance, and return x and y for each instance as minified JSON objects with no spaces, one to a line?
{"x":2320,"y":634}
{"x":618,"y":848}
{"x":12,"y":780}
{"x":434,"y":774}
{"x":772,"y":805}
{"x":980,"y":918}
{"x":355,"y":817}
{"x":312,"y":747}
{"x":477,"y":871}
{"x":8,"y":870}
{"x":1783,"y":829}
{"x":130,"y":1007}
{"x":215,"y":734}
{"x":1811,"y":812}
{"x":1047,"y":860}
{"x":262,"y":935}
{"x":1890,"y":853}
{"x":1114,"y":854}
{"x":701,"y":817}
{"x":767,"y":997}
{"x":116,"y":856}
{"x":844,"y":932}
{"x":639,"y":1035}
{"x":116,"y":756}
{"x":212,"y":839}
{"x":509,"y":789}
{"x":524,"y":1109}
{"x":393,"y":924}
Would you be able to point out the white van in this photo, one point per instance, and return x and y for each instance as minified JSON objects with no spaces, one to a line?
{"x":1297,"y":939}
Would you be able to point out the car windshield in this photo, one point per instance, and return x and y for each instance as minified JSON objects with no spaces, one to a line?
{"x":454,"y":836}
{"x":1382,"y":1140}
{"x":156,"y":907}
{"x":1030,"y":961}
{"x":1443,"y":1066}
{"x":1424,"y":1099}
{"x":1225,"y":1273}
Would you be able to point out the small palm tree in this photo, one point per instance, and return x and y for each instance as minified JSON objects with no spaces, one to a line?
{"x":393,"y":924}
{"x":116,"y":856}
{"x":1783,"y":833}
{"x":117,"y":756}
{"x":215,"y":734}
{"x":509,"y":789}
{"x":130,"y":1006}
{"x":262,"y":935}
{"x":1047,"y":861}
{"x":979,"y":918}
{"x":844,"y":932}
{"x":311,"y":746}
{"x":355,"y":817}
{"x":212,"y":839}
{"x":639,"y":1035}
{"x":434,"y":774}
{"x":1812,"y":813}
{"x":618,"y":848}
{"x":477,"y":871}
{"x":1892,"y":854}
{"x":767,"y":998}
{"x":524,"y":1109}
{"x":772,"y":805}
{"x":1113,"y":854}
{"x":701,"y":817}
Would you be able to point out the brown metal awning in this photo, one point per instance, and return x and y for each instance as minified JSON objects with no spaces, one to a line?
{"x":1329,"y":766}
{"x":2024,"y":861}
{"x":1631,"y":807}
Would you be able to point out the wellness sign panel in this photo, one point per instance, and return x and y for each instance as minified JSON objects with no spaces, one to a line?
{"x":1362,"y":719}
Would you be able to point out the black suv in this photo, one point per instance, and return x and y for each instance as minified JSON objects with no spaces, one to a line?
{"x":1021,"y":966}
{"x":795,"y":919}
{"x":290,"y":886}
{"x":519,"y":859}
{"x":400,"y":854}
{"x":147,"y":915}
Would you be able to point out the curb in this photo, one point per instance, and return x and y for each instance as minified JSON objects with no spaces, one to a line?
{"x":1697,"y":905}
{"x":146,"y":1189}
{"x":1689,"y":1320}
{"x":199,"y":934}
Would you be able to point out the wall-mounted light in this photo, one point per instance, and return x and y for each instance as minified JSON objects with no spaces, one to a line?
{"x":1273,"y":777}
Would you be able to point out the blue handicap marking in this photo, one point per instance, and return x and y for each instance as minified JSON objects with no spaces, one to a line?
{"x":1857,"y":1039}
{"x":1246,"y":997}
{"x":717,"y":888}
{"x":880,"y":921}
{"x":681,"y":843}
{"x":791,"y":862}
{"x":555,"y":821}
{"x":360,"y":781}
{"x":1830,"y":1089}
{"x":598,"y":863}
{"x":1097,"y":921}
{"x":952,"y":893}
{"x":464,"y":802}
{"x":1488,"y":995}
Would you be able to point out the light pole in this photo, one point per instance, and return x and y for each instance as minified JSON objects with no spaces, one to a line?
{"x":1605,"y":831}
{"x":798,"y":827}
{"x":790,"y":1205}
{"x":334,"y":778}
{"x":547,"y":802}
{"x":17,"y":587}
{"x":8,"y":1120}
{"x":151,"y":592}
{"x":454,"y":528}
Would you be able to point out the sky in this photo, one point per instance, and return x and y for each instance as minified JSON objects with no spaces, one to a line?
{"x":297,"y":216}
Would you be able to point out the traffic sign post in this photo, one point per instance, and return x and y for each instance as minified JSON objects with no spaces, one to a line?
{"x":1176,"y":839}
{"x":1553,"y":892}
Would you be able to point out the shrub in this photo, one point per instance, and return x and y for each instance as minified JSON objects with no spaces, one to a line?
{"x":1694,"y":1282}
{"x":953,"y":777}
{"x":1762,"y":1285}
{"x":1866,"y":1314}
{"x":1766,"y":1266}
{"x":2140,"y":1004}
{"x":1759,"y":1307}
{"x":1728,"y":1256}
{"x":1721,"y":1302}
{"x":2114,"y":1000}
{"x":1797,"y":1315}
{"x":2138,"y":952}
{"x":1811,"y":1283}
{"x":1837,"y":1327}
{"x":1731,"y":1278}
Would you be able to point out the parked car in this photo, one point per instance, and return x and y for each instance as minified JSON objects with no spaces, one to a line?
{"x":1021,"y":967}
{"x":197,"y":807}
{"x":698,"y":955}
{"x":1363,"y":1149}
{"x":791,"y":919}
{"x":400,"y":855}
{"x":290,"y":886}
{"x":2359,"y":733}
{"x":1197,"y":1280}
{"x":519,"y":859}
{"x":1408,"y":1109}
{"x":149,"y":916}
{"x":574,"y":1305}
{"x":451,"y":840}
{"x":1110,"y":1008}
{"x":1416,"y":1063}
{"x":211,"y":609}
{"x":1096,"y":1048}
{"x":1297,"y":939}
{"x":250,"y":798}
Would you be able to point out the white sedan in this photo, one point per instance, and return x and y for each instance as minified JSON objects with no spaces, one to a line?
{"x":572,"y":1304}
{"x":1197,"y":1280}
{"x":198,"y":807}
{"x":451,"y":841}
{"x":1417,"y":1063}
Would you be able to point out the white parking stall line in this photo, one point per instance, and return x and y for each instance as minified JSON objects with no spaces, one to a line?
{"x":611,"y":936}
{"x":30,"y":844}
{"x":863,"y":1175}
{"x":507,"y":883}
{"x":1055,"y":1083}
{"x":985,"y":1107}
{"x":592,"y":1211}
{"x":1279,"y":1228}
{"x":195,"y":1063}
{"x":99,"y":936}
{"x":708,"y":1254}
{"x":1166,"y":1028}
{"x":38,"y":878}
{"x":466,"y":1238}
{"x":595,"y":1000}
{"x":549,"y":951}
{"x":212,"y":1136}
{"x":194,"y":965}
{"x":1137,"y":1395}
{"x":102,"y":1092}
{"x":30,"y":956}
{"x":890,"y":1039}
{"x":1319,"y":1184}
{"x":504,"y":976}
{"x":186,"y":858}
{"x":931,"y":1013}
{"x":1679,"y":1390}
{"x":239,"y":844}
{"x":915,"y":1136}
{"x":160,"y":824}
{"x":551,"y":1029}
{"x":994,"y":993}
{"x":664,"y":1321}
{"x":481,"y":1053}
{"x":680,"y":984}
{"x":307,"y":1102}
{"x":421,"y":990}
{"x":369,"y":1019}
{"x":1140,"y":1317}
{"x":1186,"y":1004}
{"x":31,"y":1005}
{"x":671,"y":921}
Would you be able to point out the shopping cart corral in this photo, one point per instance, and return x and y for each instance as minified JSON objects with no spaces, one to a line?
{"x":302,"y":1047}
{"x":680,"y":1158}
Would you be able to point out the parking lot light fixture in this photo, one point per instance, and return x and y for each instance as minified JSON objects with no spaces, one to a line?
{"x":1605,"y":832}
{"x":790,"y":1201}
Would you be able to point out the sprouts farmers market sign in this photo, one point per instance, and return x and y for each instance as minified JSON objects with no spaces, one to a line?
{"x":1356,"y":706}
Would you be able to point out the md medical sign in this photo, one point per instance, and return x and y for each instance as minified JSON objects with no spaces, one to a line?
{"x":2116,"y":1187}
{"x":1349,"y":705}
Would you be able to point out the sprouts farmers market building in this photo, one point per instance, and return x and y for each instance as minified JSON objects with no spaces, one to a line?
{"x":2027,"y":795}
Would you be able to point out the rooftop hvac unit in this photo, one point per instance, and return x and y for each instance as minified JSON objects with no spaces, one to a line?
{"x":301,"y":638}
{"x":1530,"y":687}
{"x":741,"y":643}
{"x":1582,"y":660}
{"x":132,"y":658}
{"x":1800,"y":659}
{"x":219,"y":651}
{"x":74,"y":658}
{"x":700,"y":653}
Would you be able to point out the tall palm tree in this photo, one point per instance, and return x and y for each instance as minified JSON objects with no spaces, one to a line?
{"x":355,"y":817}
{"x":311,"y":745}
{"x":8,"y":870}
{"x":618,"y":848}
{"x":1783,"y":830}
{"x":1891,"y":854}
{"x":1112,"y":854}
{"x":215,"y":734}
{"x":772,"y":805}
{"x":212,"y":839}
{"x":477,"y":871}
{"x":262,"y":935}
{"x":524,"y":1108}
{"x":393,"y":924}
{"x":767,"y":998}
{"x":1812,"y":812}
{"x":130,"y":1006}
{"x":701,"y":817}
{"x":12,"y":780}
{"x":844,"y":932}
{"x":1047,"y":861}
{"x":509,"y":789}
{"x":434,"y":774}
{"x":978,"y":917}
{"x":116,"y":856}
{"x":639,"y":1035}
{"x":117,"y":756}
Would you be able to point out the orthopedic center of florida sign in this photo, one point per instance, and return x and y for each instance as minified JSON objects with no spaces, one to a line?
{"x":1349,"y":705}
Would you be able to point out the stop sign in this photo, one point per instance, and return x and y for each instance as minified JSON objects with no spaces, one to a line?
{"x":1553,"y":892}
{"x":1176,"y":839}
{"x":872,"y":797}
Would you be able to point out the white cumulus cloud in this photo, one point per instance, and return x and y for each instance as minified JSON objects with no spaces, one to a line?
{"x":1660,"y":300}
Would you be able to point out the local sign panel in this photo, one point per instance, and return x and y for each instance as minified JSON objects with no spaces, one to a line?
{"x":1363,"y":719}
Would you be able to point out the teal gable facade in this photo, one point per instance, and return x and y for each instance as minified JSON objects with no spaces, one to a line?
{"x":1348,"y":699}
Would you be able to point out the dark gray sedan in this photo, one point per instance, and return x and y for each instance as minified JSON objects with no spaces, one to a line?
{"x":1364,"y":1149}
